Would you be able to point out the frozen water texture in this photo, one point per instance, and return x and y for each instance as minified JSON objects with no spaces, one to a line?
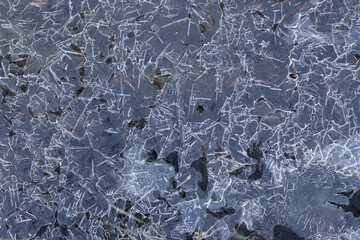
{"x":150,"y":119}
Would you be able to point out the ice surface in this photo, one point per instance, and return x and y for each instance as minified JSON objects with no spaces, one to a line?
{"x":196,"y":119}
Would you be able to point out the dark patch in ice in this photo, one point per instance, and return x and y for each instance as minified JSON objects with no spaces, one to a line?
{"x":346,"y":194}
{"x":274,"y":27}
{"x":110,"y":60}
{"x":353,"y":206}
{"x":200,"y":108}
{"x":173,"y":183}
{"x":152,"y":155}
{"x":222,"y":7}
{"x":138,"y":123}
{"x":222,"y":212}
{"x":82,"y":71}
{"x":238,"y":171}
{"x":63,"y":228}
{"x":56,"y":113}
{"x":11,"y":133}
{"x":202,"y":27}
{"x":289,"y":156}
{"x":157,"y":83}
{"x":285,"y":233}
{"x":131,"y":35}
{"x":80,"y":90}
{"x":41,"y":231}
{"x":255,"y":152}
{"x":257,"y":174}
{"x":24,"y":87}
{"x":242,"y":229}
{"x":158,"y":71}
{"x":293,"y":75}
{"x":58,"y":170}
{"x":189,"y":236}
{"x":182,"y":194}
{"x":144,"y":219}
{"x":173,"y":159}
{"x":200,"y":166}
{"x":75,"y":48}
{"x":258,"y":13}
{"x":243,"y":232}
